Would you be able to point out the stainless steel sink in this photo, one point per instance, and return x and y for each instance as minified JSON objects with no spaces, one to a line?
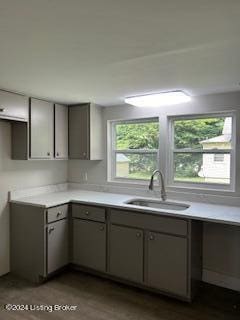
{"x":158,"y":204}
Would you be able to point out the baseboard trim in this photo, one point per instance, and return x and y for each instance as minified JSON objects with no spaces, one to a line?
{"x":221,"y":280}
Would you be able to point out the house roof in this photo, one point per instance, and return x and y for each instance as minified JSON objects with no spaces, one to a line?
{"x":122,"y":158}
{"x":226,"y":133}
{"x":219,"y":139}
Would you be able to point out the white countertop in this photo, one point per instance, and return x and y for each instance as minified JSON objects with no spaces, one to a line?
{"x":197,"y":211}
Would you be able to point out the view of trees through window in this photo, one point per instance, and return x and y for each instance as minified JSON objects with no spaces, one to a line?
{"x":137,"y":147}
{"x":197,"y":144}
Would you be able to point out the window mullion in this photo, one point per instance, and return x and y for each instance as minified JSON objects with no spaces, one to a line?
{"x":208,"y":151}
{"x":137,"y":151}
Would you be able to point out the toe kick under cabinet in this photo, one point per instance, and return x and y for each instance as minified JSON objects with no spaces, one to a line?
{"x":152,"y":251}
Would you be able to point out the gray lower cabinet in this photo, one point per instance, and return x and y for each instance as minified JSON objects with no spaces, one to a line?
{"x":38,"y":248}
{"x":126,"y":253}
{"x":156,"y":252}
{"x":166,"y":263}
{"x":41,"y":129}
{"x":57,"y":245}
{"x":89,"y":244}
{"x":162,"y":252}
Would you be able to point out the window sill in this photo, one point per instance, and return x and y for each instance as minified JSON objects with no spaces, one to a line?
{"x":193,"y":188}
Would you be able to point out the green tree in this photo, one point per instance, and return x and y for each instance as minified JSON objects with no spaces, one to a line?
{"x":143,"y":136}
{"x":137,"y":136}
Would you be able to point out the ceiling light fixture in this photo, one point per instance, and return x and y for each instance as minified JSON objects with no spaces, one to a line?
{"x":158,"y":99}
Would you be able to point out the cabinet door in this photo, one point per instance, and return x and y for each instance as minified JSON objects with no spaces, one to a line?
{"x":13,"y":106}
{"x":41,"y":129}
{"x":89,"y":244}
{"x":166,"y":263}
{"x":79,"y":117}
{"x":126,"y":253}
{"x":57,"y":245}
{"x":61,"y":131}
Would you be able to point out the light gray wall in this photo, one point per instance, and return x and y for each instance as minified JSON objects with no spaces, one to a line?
{"x":17,"y":175}
{"x":221,"y":253}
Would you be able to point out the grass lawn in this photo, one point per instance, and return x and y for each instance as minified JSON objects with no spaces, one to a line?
{"x":147,"y":176}
{"x":189,"y":179}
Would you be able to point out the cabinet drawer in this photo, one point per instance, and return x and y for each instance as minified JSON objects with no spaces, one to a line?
{"x":150,"y":222}
{"x":88,"y":212}
{"x":57,"y":213}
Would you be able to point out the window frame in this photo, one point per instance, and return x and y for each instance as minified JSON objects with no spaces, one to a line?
{"x":171,"y":183}
{"x":113,"y":151}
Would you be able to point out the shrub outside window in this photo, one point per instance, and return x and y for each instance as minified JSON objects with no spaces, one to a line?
{"x":202,"y":150}
{"x":135,"y":146}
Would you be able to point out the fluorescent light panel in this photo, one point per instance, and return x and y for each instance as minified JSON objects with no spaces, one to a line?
{"x":158,"y":99}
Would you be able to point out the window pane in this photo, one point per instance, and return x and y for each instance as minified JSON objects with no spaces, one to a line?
{"x":135,"y":166}
{"x":137,"y":136}
{"x":207,"y":133}
{"x":201,"y":168}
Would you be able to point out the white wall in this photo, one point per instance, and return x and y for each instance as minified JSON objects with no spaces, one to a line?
{"x":221,"y":253}
{"x":16,"y":175}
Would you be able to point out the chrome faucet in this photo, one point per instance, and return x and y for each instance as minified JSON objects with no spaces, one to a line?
{"x":161,"y":182}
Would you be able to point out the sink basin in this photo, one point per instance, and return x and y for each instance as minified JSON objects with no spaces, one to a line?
{"x":158,"y":204}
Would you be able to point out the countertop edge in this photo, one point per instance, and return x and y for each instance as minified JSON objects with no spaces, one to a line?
{"x":123,"y":206}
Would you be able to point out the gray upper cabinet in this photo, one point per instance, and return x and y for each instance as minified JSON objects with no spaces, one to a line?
{"x":61,"y":131}
{"x":166,"y":263}
{"x":89,"y":244}
{"x":85,"y":132}
{"x":41,"y":129}
{"x":57,"y":245}
{"x":126,"y":253}
{"x":13,"y":106}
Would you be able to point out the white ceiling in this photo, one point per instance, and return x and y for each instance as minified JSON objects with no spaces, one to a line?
{"x":103,"y":50}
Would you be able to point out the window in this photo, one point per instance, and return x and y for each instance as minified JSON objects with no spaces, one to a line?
{"x":202,"y":150}
{"x":135,"y":146}
{"x":218,"y":157}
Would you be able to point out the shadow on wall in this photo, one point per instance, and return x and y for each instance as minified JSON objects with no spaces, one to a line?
{"x":19,"y":174}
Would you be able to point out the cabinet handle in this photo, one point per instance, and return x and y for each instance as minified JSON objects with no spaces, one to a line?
{"x":59,"y":214}
{"x":57,"y":154}
{"x":2,"y":109}
{"x":50,"y":229}
{"x":86,"y":213}
{"x":101,"y":228}
{"x":151,"y":237}
{"x":138,"y":234}
{"x":48,"y":153}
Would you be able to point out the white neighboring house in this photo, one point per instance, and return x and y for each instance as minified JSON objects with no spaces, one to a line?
{"x":216,"y":167}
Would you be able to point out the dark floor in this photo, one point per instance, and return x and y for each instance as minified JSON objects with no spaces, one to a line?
{"x":98,"y":299}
